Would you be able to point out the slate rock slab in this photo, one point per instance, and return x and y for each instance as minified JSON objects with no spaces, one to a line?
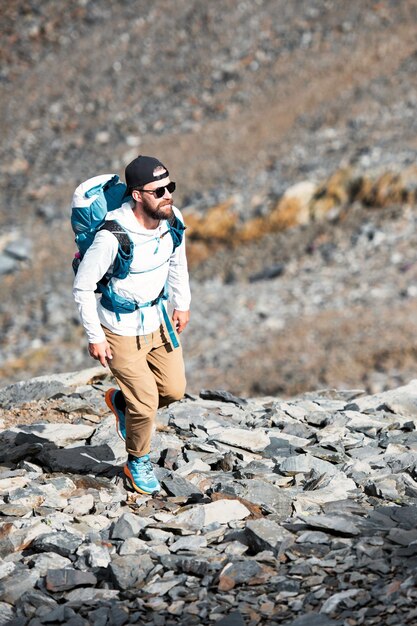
{"x":253,"y":440}
{"x":44,"y":387}
{"x":60,"y":435}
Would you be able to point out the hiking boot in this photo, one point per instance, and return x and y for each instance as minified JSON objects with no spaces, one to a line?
{"x":116,"y":402}
{"x":140,"y":472}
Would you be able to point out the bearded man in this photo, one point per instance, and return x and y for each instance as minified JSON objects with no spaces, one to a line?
{"x":139,"y":342}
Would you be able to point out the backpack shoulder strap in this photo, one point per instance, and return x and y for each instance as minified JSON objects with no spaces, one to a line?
{"x":124,"y":256}
{"x":176,"y":228}
{"x":120,"y":233}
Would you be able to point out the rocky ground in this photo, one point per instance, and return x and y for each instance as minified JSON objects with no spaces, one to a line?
{"x":297,"y":511}
{"x":242,"y":101}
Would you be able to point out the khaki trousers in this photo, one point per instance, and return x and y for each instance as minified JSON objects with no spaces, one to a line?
{"x":150,"y":374}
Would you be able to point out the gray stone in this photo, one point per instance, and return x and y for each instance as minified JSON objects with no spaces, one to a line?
{"x":15,"y":585}
{"x":265,"y":534}
{"x":314,"y":619}
{"x":330,"y":605}
{"x":252,"y":440}
{"x":8,"y":265}
{"x":81,"y":459}
{"x":68,"y":578}
{"x":134,"y":545}
{"x":6,"y":569}
{"x":266,"y":495}
{"x":304,"y":463}
{"x":222,"y":396}
{"x":402,"y":401}
{"x":60,"y":435}
{"x":245,"y":571}
{"x":179,"y":486}
{"x":234,"y":618}
{"x":340,"y":525}
{"x":48,"y":560}
{"x":130,"y":571}
{"x":63,"y":543}
{"x":196,"y":465}
{"x":187,"y":544}
{"x":20,"y":249}
{"x":80,"y":505}
{"x":127,"y":525}
{"x":44,"y":387}
{"x":80,"y":596}
{"x":193,"y":564}
{"x":93,"y":556}
{"x":6,"y":613}
{"x":311,"y":536}
{"x":161,"y":586}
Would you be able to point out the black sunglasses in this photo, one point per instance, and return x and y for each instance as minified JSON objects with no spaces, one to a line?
{"x":160,"y":191}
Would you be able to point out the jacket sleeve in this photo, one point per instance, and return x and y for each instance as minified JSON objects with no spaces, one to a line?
{"x":96,"y":262}
{"x":178,"y":278}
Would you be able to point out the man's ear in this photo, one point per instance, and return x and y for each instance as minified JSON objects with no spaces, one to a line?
{"x":136,"y":195}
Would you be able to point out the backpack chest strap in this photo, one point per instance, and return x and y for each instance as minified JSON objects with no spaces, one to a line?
{"x":120,"y":305}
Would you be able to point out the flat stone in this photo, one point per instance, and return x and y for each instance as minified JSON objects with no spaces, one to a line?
{"x":68,"y":578}
{"x":402,"y":401}
{"x":95,"y":522}
{"x":265,"y":494}
{"x":8,"y":485}
{"x":339,"y":487}
{"x":134,"y":545}
{"x":222,"y":396}
{"x":304,"y":463}
{"x":196,"y":465}
{"x":331,"y":604}
{"x":161,"y":586}
{"x":193,"y":564}
{"x":80,"y":505}
{"x":179,"y":486}
{"x":340,"y":525}
{"x":313,"y":536}
{"x":193,"y":543}
{"x":222,"y":511}
{"x":253,"y":440}
{"x":60,"y":435}
{"x":81,"y":459}
{"x":84,"y":595}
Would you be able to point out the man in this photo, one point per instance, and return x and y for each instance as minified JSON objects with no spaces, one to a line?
{"x":139,"y":345}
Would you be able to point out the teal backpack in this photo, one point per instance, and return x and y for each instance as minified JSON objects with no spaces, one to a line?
{"x":91,"y":202}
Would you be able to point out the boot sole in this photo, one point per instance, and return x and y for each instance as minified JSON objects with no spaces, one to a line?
{"x":107,"y":398}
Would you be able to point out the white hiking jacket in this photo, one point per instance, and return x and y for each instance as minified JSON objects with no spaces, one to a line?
{"x":153,"y":266}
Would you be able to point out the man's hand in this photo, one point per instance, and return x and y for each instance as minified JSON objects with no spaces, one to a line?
{"x":180,"y":319}
{"x":100,"y":351}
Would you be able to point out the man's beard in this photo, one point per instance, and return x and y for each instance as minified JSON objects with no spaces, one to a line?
{"x":162,"y":212}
